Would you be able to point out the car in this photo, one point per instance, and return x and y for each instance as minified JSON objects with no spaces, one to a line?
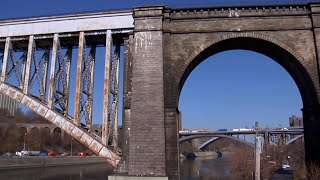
{"x":65,"y":154}
{"x":82,"y":154}
{"x":10,"y":154}
{"x":52,"y":154}
{"x":284,"y":166}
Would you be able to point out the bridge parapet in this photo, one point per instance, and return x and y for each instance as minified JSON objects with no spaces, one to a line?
{"x":240,"y":11}
{"x":67,"y":23}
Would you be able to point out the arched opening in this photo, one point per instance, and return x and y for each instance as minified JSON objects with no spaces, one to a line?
{"x":289,"y":60}
{"x":251,"y":86}
{"x":56,"y":140}
{"x":34,"y":139}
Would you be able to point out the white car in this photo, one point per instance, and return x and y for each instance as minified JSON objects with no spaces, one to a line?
{"x":284,"y":166}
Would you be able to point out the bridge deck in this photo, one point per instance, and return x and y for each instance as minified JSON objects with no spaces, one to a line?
{"x":69,"y":23}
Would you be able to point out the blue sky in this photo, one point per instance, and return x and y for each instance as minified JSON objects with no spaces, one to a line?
{"x":234,"y":89}
{"x":13,"y":9}
{"x":231,"y":89}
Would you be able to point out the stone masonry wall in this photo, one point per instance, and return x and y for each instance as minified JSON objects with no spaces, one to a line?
{"x":147,"y":141}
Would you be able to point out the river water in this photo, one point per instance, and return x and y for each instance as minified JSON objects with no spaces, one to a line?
{"x":205,"y":168}
{"x":196,"y":169}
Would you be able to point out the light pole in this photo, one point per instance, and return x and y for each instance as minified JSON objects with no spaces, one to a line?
{"x":257,"y":153}
{"x":71,"y":147}
{"x":24,"y":141}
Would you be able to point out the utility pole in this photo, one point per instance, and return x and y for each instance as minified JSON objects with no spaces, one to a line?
{"x":24,"y":141}
{"x":71,"y":147}
{"x":257,"y":154}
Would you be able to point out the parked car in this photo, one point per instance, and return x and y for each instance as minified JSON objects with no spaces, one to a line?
{"x":284,"y":166}
{"x":10,"y":154}
{"x":28,"y":153}
{"x":52,"y":153}
{"x":43,"y":154}
{"x":65,"y":154}
{"x":82,"y":154}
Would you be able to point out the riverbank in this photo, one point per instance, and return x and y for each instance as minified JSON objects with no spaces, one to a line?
{"x":206,"y":154}
{"x":17,"y":162}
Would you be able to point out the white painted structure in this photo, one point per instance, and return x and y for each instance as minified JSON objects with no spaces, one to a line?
{"x":68,"y":23}
{"x":25,"y":32}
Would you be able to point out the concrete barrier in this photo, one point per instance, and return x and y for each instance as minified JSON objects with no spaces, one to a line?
{"x":17,"y":162}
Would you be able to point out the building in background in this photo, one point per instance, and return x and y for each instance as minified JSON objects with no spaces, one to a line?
{"x":296,"y":121}
{"x":9,"y":104}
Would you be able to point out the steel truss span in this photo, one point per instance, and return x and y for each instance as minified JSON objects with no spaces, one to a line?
{"x":36,"y":56}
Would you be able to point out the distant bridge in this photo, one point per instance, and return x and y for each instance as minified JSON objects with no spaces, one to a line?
{"x":283,"y":136}
{"x":259,"y":131}
{"x":50,"y":127}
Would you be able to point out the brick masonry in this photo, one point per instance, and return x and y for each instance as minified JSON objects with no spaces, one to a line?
{"x":147,"y":141}
{"x":169,"y":43}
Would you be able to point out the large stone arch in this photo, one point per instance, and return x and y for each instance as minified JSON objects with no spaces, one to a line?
{"x":301,"y":70}
{"x":65,"y":123}
{"x":286,"y":56}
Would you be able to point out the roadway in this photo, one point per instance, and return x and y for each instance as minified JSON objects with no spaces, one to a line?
{"x":259,"y":131}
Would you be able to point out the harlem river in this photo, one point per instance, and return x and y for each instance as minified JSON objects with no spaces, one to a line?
{"x":196,"y":169}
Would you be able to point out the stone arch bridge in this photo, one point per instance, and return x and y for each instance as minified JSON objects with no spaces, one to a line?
{"x":162,"y":47}
{"x":29,"y":126}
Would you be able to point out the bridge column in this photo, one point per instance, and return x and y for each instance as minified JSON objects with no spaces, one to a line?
{"x":315,"y":16}
{"x":7,"y":48}
{"x":127,"y":92}
{"x":267,"y":142}
{"x":283,"y":139}
{"x":311,"y":122}
{"x":147,"y":156}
